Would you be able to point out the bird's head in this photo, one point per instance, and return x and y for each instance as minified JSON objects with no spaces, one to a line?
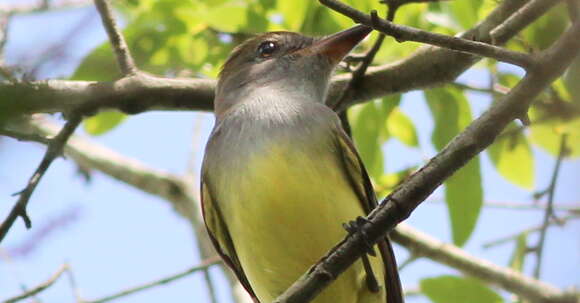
{"x":284,"y":62}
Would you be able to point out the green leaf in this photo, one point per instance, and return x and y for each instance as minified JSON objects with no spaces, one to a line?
{"x":103,"y":122}
{"x":463,"y":190}
{"x":401,"y":127}
{"x":99,"y":65}
{"x":453,"y":289}
{"x":451,"y":112}
{"x":548,"y":28}
{"x":519,"y":255}
{"x":293,"y":12}
{"x":257,"y":21}
{"x":464,"y":197}
{"x":228,"y":17}
{"x":572,"y":80}
{"x":508,"y":79}
{"x":466,"y":12}
{"x":388,"y":105}
{"x":512,"y":157}
{"x":547,"y":134}
{"x":387,"y":182}
{"x":368,"y":131}
{"x":366,"y":121}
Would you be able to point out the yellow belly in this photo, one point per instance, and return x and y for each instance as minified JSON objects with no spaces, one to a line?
{"x":284,"y":212}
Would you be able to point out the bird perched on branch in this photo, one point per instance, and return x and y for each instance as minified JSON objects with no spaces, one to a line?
{"x":280,"y":176}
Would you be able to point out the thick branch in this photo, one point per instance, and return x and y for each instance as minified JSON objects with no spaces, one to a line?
{"x":155,"y":182}
{"x":479,"y":135}
{"x":420,"y":244}
{"x":427,"y":67}
{"x":130,"y":95}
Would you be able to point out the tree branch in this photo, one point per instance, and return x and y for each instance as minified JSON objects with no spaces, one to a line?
{"x":155,"y":182}
{"x":421,"y":244}
{"x":426,"y":67}
{"x":405,"y":33}
{"x":130,"y":95}
{"x":201,"y":267}
{"x":178,"y":191}
{"x":479,"y":135}
{"x":128,"y":170}
{"x":521,"y":18}
{"x":48,"y":283}
{"x":549,"y":213}
{"x":75,"y":118}
{"x":570,"y":208}
{"x":512,"y":237}
{"x":124,"y":58}
{"x":54,"y":149}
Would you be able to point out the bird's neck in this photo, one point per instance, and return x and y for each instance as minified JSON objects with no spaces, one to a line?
{"x":275,"y":96}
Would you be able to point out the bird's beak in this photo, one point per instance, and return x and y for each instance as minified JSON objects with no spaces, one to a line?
{"x":336,"y":46}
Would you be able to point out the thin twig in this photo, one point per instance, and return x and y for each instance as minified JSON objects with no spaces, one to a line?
{"x":568,"y":207}
{"x":406,"y":33}
{"x":357,"y":75}
{"x":365,"y":61}
{"x":497,"y":88}
{"x":522,"y":18}
{"x":549,"y":213}
{"x":512,"y":237}
{"x":204,"y":265}
{"x":21,"y":136}
{"x":73,"y":284}
{"x":210,"y":286}
{"x":412,"y":258}
{"x":54,"y":149}
{"x":48,"y":283}
{"x":124,"y":58}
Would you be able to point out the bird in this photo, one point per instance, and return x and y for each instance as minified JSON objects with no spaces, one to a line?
{"x":280,"y":176}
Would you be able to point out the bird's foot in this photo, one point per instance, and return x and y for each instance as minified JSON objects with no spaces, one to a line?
{"x":371,"y":279}
{"x":355,"y":226}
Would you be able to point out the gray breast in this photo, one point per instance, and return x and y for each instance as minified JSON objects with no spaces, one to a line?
{"x":250,"y":129}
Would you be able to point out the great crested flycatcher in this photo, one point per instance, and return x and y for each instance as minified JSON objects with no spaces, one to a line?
{"x":280,"y":176}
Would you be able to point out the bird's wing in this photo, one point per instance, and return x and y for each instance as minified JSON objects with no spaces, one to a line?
{"x":361,"y":184}
{"x":220,"y":236}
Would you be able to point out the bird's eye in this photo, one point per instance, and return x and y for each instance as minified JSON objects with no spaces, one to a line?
{"x":266,"y":49}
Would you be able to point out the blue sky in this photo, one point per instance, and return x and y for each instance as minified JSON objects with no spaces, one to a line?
{"x":119,"y":237}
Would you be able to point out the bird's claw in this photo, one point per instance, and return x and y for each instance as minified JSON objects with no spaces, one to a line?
{"x":355,"y":226}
